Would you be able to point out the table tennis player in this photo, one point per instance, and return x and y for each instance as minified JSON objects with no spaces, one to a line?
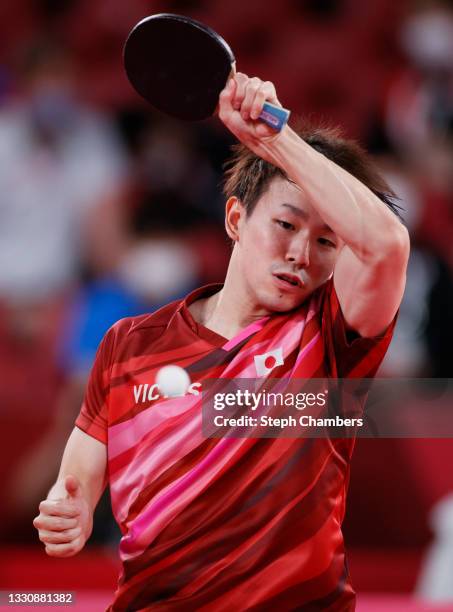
{"x":316,"y":277}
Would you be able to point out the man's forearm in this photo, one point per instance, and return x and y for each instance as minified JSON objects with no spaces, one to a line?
{"x":352,"y":211}
{"x":85,"y":458}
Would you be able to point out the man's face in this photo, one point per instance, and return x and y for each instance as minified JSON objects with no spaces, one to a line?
{"x":284,"y":250}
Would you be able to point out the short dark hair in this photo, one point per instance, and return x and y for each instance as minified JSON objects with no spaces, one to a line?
{"x":247,"y":176}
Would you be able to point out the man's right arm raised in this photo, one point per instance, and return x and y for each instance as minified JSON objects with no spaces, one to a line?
{"x":65,"y":518}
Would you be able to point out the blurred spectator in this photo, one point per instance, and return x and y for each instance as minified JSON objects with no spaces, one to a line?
{"x":422,"y":342}
{"x":58,"y":161}
{"x":62,"y":170}
{"x":407,"y":354}
{"x":433,"y":168}
{"x":420,"y":101}
{"x":419,"y":125}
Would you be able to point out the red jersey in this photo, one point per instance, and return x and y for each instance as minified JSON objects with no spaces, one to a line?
{"x":224,"y":524}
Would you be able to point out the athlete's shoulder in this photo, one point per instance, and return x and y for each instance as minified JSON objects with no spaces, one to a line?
{"x":158,"y":319}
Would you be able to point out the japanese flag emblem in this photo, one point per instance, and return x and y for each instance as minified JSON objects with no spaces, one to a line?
{"x":266,"y":362}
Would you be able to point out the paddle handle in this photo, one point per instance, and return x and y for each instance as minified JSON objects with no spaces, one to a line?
{"x":274,"y":116}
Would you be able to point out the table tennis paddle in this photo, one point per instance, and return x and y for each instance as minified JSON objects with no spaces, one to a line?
{"x":180,"y":66}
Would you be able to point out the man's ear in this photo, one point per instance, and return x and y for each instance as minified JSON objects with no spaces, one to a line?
{"x":234,"y":216}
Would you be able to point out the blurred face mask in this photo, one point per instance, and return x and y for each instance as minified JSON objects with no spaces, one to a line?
{"x":158,"y":269}
{"x":427,"y":38}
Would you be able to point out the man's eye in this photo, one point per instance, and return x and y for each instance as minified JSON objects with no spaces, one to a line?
{"x":326,"y":242}
{"x":285,"y":225}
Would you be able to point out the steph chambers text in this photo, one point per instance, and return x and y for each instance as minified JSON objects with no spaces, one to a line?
{"x":304,"y":420}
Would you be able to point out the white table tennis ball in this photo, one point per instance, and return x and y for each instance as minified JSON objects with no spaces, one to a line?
{"x":172,"y":381}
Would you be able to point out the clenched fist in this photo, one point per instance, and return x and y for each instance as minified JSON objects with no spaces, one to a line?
{"x":65,"y":519}
{"x":240,"y":105}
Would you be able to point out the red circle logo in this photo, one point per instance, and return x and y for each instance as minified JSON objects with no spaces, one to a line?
{"x":270,"y":362}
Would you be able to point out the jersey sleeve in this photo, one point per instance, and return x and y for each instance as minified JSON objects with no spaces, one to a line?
{"x":93,"y":415}
{"x":351,"y":355}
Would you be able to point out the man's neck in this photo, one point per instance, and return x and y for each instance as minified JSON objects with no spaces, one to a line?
{"x":230,"y":310}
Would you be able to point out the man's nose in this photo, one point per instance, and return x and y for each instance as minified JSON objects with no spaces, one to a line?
{"x":299,"y":252}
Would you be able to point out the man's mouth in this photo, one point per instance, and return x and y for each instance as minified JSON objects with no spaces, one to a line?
{"x":290,"y":279}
